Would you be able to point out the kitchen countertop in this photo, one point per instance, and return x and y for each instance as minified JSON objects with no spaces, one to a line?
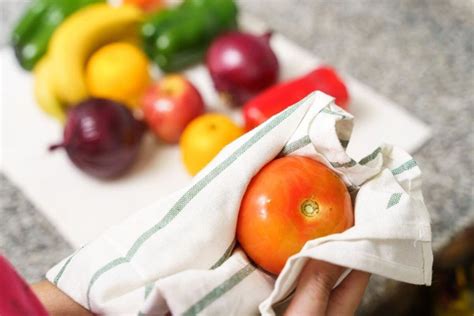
{"x":417,"y":53}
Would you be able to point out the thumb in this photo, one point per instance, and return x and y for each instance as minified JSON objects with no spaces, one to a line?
{"x":314,"y":288}
{"x":347,"y":296}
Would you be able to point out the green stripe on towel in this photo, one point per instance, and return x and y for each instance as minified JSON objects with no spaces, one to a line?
{"x":190,"y":194}
{"x":98,"y":273}
{"x":404,"y":167}
{"x":66,"y":264}
{"x":219,"y":262}
{"x":220,"y":290}
{"x":328,"y":111}
{"x":370,"y":157}
{"x":294,"y":146}
{"x":224,"y":257}
{"x":348,"y":164}
{"x":61,"y":271}
{"x":363,"y":161}
{"x":148,"y":289}
{"x":394,"y":199}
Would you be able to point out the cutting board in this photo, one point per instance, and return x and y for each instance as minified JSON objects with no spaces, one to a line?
{"x":81,"y":207}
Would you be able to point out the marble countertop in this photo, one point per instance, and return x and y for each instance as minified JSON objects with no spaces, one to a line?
{"x":417,"y":53}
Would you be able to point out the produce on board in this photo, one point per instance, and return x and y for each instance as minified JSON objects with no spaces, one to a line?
{"x":32,"y":33}
{"x":169,"y":105}
{"x":178,"y":37}
{"x":204,"y":138}
{"x":118,"y":71}
{"x":74,"y":41}
{"x":91,"y":64}
{"x":147,"y":5}
{"x":280,"y":96}
{"x":101,"y":137}
{"x":241,"y":65}
{"x":96,"y":50}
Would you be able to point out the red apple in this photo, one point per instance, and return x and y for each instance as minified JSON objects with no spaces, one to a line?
{"x":169,"y":105}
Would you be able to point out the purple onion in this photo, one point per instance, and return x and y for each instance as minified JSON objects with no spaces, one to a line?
{"x":241,"y":65}
{"x":101,"y":137}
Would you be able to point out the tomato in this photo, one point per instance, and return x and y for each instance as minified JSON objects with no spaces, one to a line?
{"x":290,"y":201}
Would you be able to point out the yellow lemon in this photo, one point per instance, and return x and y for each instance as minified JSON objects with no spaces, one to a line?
{"x":204,"y":137}
{"x":118,"y":71}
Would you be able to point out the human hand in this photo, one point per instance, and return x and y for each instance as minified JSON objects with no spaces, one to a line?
{"x":56,"y":302}
{"x":315,"y":294}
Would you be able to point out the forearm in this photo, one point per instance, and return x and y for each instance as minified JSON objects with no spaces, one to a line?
{"x":56,"y":302}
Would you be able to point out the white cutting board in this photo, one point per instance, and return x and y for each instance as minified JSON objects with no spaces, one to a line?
{"x":81,"y":207}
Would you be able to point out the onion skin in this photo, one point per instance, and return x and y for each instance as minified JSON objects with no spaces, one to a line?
{"x":101,"y":137}
{"x":241,"y":65}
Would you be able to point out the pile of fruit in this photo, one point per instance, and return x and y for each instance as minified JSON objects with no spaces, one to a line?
{"x":93,"y":64}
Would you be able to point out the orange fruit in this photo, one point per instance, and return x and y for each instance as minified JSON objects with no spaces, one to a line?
{"x":146,"y":5}
{"x":204,"y":138}
{"x":118,"y":71}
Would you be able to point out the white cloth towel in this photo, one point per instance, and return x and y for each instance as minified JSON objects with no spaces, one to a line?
{"x":178,"y":255}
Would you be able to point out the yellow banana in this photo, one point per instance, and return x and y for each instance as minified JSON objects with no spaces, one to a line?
{"x":78,"y":37}
{"x":44,"y":92}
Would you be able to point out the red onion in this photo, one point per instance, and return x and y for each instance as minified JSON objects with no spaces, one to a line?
{"x":101,"y":137}
{"x":241,"y":65}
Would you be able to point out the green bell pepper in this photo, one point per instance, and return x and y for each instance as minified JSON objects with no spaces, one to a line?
{"x":178,"y":37}
{"x":30,"y":36}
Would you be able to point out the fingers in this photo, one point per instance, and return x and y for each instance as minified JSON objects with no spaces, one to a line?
{"x":314,"y":288}
{"x":315,"y":295}
{"x":345,"y":299}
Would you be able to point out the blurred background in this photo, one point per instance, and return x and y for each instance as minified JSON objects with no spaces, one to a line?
{"x":417,"y":53}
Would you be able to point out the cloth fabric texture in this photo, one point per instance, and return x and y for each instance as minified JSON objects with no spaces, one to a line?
{"x":179,"y":255}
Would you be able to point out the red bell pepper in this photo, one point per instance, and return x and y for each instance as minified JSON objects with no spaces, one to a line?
{"x":280,"y":96}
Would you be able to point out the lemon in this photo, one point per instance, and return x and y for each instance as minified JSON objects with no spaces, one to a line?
{"x":204,"y":138}
{"x":118,"y":71}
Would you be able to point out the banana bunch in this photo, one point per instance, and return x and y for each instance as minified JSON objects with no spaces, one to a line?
{"x":60,"y":74}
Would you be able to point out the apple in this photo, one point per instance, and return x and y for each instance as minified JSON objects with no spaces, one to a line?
{"x":169,"y":105}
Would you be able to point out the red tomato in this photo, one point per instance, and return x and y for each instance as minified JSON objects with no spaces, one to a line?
{"x":290,"y":201}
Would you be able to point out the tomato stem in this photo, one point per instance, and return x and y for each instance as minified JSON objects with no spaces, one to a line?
{"x":309,"y":208}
